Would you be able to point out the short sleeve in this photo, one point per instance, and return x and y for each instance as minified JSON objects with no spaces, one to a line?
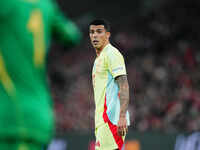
{"x":116,"y":64}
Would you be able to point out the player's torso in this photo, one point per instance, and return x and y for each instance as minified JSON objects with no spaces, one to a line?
{"x":23,"y":85}
{"x":100,"y":78}
{"x":100,"y":81}
{"x":24,"y":41}
{"x":107,"y":66}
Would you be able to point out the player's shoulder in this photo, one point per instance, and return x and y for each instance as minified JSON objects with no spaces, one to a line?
{"x":112,"y":50}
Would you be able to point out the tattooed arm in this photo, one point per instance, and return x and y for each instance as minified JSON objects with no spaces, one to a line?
{"x":124,"y":101}
{"x":123,"y":93}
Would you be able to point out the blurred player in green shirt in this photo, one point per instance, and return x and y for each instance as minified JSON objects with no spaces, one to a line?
{"x":26,"y":111}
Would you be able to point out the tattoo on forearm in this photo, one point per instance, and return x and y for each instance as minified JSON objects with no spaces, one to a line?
{"x":123,"y":93}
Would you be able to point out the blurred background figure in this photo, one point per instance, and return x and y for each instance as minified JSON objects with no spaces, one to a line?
{"x":26,"y":112}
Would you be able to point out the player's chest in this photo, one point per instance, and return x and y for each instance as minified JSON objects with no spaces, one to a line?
{"x":100,"y":67}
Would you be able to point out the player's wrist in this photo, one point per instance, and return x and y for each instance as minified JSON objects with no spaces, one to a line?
{"x":122,"y":114}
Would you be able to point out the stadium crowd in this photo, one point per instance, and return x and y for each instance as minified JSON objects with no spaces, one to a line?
{"x":163,"y":73}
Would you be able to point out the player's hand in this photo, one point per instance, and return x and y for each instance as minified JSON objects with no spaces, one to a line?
{"x":122,"y":128}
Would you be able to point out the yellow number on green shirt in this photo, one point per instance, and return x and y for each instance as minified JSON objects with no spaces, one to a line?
{"x":35,"y":25}
{"x":5,"y":78}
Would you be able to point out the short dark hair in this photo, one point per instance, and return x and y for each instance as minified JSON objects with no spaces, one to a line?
{"x":101,"y":22}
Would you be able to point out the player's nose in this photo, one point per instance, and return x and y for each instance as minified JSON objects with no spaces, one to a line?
{"x":95,"y":34}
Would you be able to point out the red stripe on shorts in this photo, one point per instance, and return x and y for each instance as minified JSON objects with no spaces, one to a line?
{"x":113,"y":128}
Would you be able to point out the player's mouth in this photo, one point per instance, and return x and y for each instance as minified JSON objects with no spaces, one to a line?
{"x":95,"y":42}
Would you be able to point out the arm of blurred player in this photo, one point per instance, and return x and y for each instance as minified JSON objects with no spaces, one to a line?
{"x":64,"y":29}
{"x":124,"y":101}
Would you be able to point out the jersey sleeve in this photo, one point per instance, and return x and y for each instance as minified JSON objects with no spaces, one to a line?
{"x":64,"y":29}
{"x":116,"y":64}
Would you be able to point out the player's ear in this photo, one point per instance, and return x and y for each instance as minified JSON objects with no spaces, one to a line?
{"x":108,"y":34}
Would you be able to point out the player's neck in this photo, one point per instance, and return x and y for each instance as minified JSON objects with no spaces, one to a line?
{"x":99,"y":50}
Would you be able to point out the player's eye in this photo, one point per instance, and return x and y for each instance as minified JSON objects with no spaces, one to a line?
{"x":99,"y":31}
{"x":91,"y":32}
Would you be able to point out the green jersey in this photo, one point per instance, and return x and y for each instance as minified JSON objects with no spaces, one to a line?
{"x":26,"y":28}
